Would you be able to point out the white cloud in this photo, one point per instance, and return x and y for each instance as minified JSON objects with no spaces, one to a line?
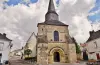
{"x":76,"y":17}
{"x":94,"y":12}
{"x":96,"y":26}
{"x":20,"y":21}
{"x":72,"y":2}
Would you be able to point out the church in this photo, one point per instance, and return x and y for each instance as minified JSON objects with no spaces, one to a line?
{"x":54,"y":43}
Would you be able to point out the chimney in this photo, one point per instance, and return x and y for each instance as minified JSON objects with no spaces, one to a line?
{"x":4,"y":34}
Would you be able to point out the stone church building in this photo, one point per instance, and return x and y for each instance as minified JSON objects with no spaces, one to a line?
{"x":54,"y":43}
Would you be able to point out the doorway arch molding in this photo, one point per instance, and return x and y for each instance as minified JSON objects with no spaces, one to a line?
{"x":56,"y":49}
{"x":60,"y":51}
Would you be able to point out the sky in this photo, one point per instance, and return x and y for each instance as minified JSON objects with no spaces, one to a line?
{"x":95,"y":12}
{"x":19,"y":18}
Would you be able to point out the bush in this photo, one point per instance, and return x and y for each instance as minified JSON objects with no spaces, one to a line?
{"x":31,"y":58}
{"x":27,"y":52}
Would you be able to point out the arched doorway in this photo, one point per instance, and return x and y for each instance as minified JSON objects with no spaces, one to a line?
{"x":85,"y":56}
{"x":56,"y":54}
{"x":56,"y":57}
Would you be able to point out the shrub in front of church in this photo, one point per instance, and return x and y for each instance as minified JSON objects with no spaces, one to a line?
{"x":27,"y":52}
{"x":31,"y":58}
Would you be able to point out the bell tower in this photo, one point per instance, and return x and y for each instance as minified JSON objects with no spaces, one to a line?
{"x":54,"y":43}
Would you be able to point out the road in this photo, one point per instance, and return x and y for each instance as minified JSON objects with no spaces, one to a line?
{"x":17,"y":61}
{"x":82,"y":63}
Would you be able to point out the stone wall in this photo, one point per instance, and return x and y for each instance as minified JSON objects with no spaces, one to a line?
{"x":49,"y":31}
{"x":72,"y":53}
{"x":57,"y":47}
{"x":66,"y":50}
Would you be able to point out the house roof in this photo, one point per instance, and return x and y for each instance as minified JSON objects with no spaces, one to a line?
{"x":53,"y":22}
{"x":29,"y":39}
{"x":94,"y":35}
{"x":3,"y":36}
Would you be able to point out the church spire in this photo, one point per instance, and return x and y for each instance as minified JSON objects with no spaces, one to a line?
{"x":51,"y":14}
{"x":51,"y":6}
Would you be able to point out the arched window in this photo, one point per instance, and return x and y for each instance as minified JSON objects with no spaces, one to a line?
{"x":56,"y":36}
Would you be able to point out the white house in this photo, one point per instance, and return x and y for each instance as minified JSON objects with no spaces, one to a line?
{"x":17,"y":52}
{"x":31,"y":44}
{"x":5,"y":45}
{"x":93,"y":45}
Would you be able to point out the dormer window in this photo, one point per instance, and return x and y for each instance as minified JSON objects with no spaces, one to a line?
{"x":56,"y":36}
{"x":95,"y":44}
{"x":1,"y":46}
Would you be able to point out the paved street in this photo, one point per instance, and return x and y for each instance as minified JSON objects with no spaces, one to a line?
{"x":17,"y":61}
{"x":82,"y":63}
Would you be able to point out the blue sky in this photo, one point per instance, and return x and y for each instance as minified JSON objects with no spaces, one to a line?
{"x":95,"y":17}
{"x":16,"y":2}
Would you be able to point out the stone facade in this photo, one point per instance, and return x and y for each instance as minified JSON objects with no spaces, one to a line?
{"x":65,"y":48}
{"x":54,"y":43}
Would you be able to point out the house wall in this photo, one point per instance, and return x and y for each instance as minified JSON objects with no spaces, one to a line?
{"x":5,"y":51}
{"x":92,"y":47}
{"x":32,"y":45}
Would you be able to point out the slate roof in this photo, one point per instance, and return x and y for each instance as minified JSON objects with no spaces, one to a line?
{"x":51,"y":10}
{"x":73,"y":40}
{"x":3,"y":36}
{"x":94,"y":35}
{"x":53,"y":22}
{"x":51,"y":6}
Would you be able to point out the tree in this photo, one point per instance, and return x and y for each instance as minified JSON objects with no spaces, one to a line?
{"x":27,"y":52}
{"x":78,"y":51}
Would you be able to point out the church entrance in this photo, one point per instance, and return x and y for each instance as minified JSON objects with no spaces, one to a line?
{"x":0,"y":56}
{"x":56,"y":57}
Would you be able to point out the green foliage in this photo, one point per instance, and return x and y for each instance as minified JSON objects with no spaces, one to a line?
{"x":78,"y":51}
{"x":27,"y":52}
{"x":31,"y":58}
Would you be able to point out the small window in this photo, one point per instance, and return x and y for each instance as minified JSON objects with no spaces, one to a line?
{"x":95,"y":44}
{"x":51,"y":39}
{"x":56,"y":36}
{"x":42,"y":29}
{"x":1,"y":46}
